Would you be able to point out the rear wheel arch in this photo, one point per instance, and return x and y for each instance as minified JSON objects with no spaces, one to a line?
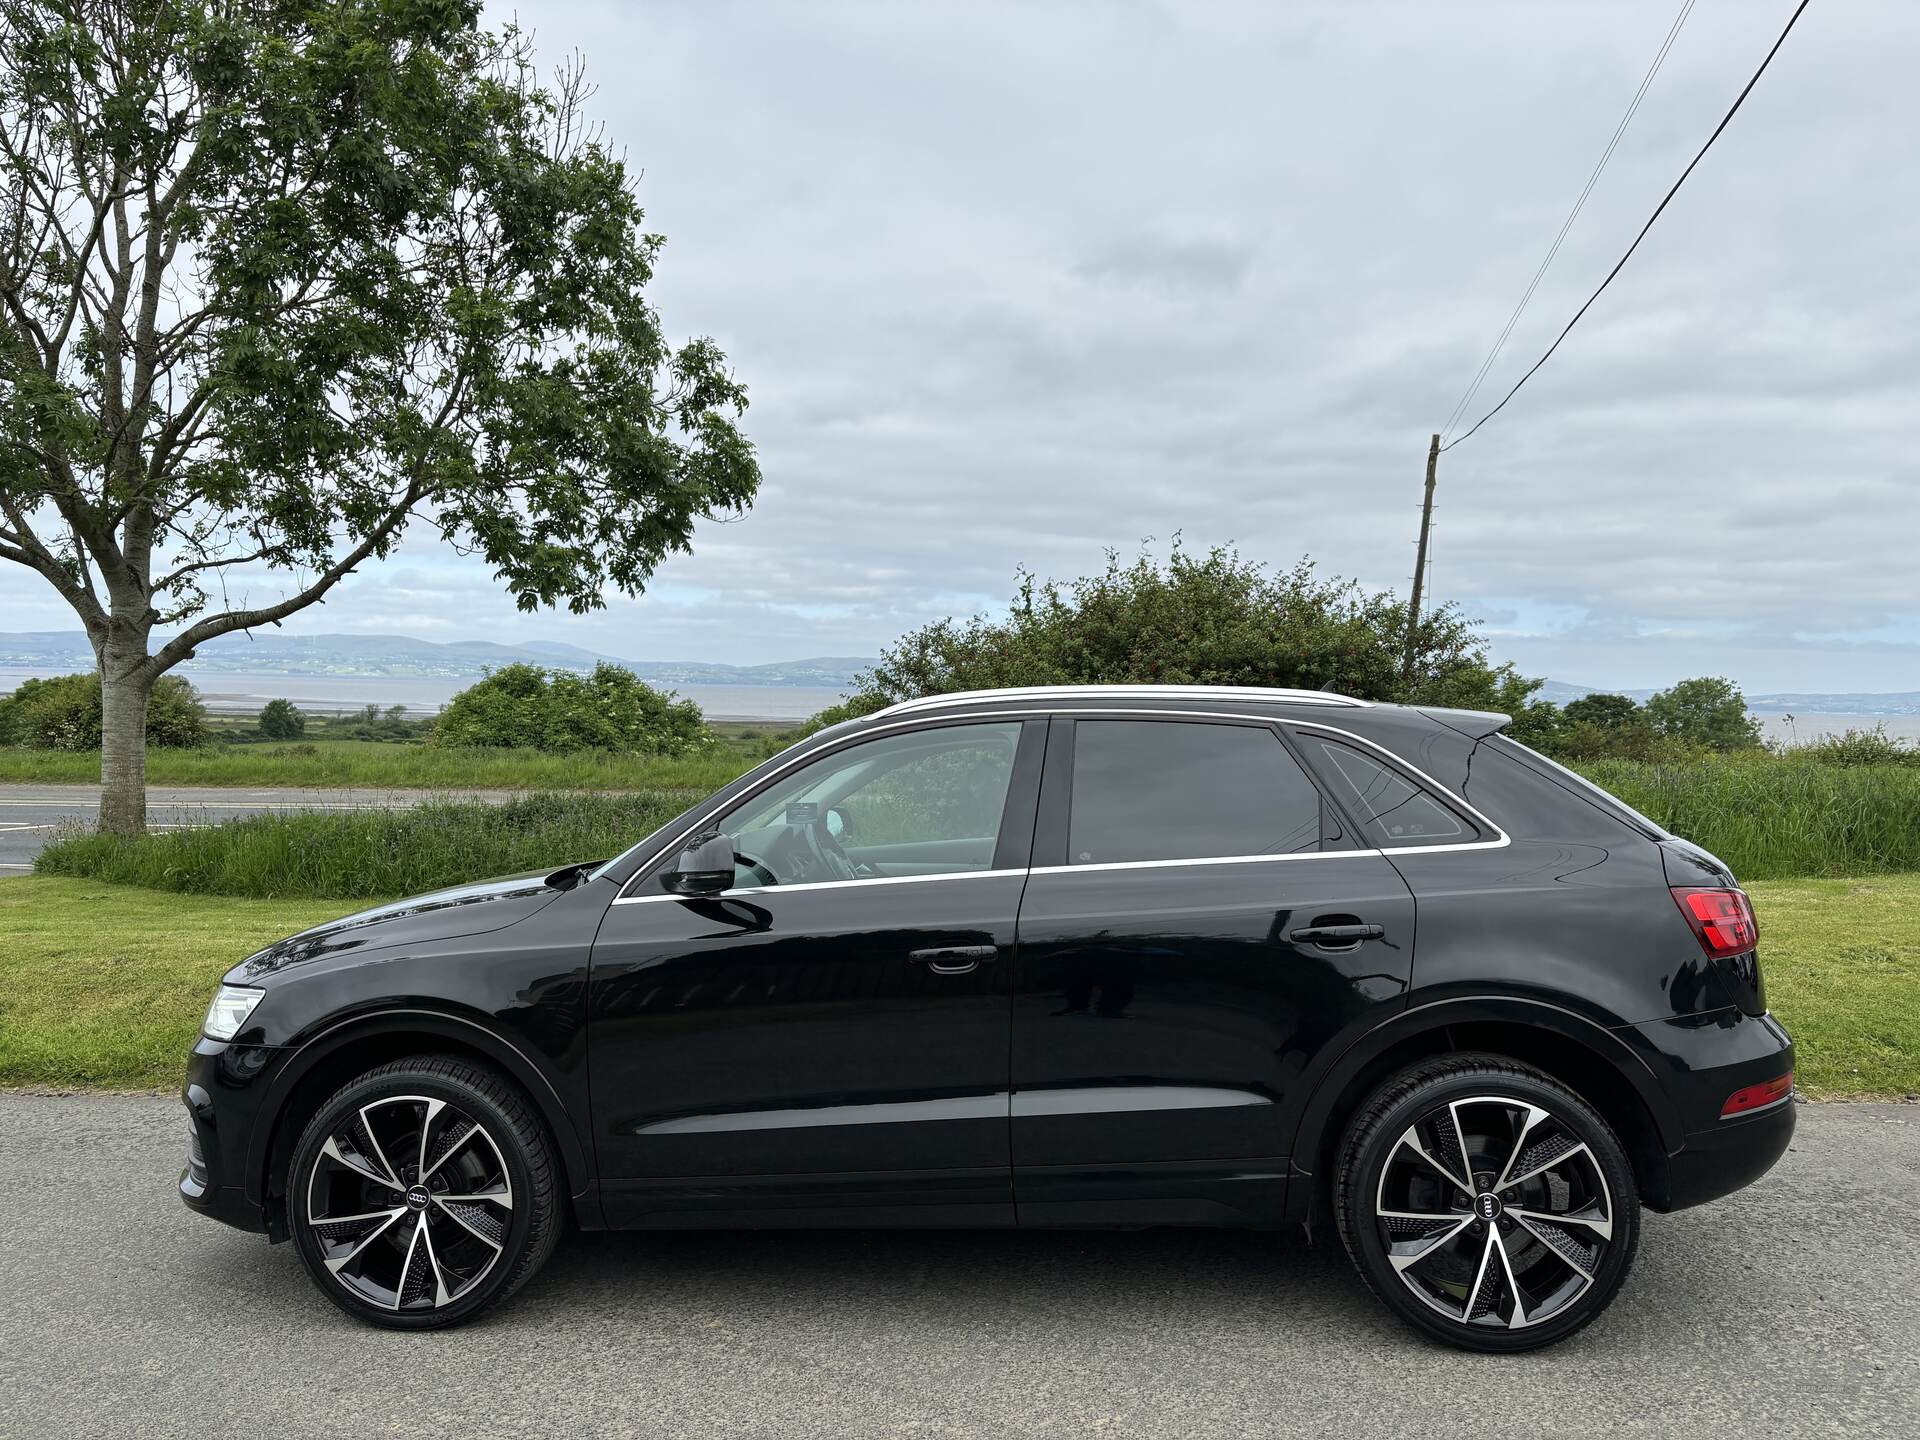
{"x":1580,"y":1054}
{"x":336,"y":1056}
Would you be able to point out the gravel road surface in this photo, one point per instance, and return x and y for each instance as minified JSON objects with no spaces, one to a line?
{"x":1786,"y":1310}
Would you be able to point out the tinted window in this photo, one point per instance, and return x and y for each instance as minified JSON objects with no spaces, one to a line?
{"x":1391,"y":809}
{"x":1171,"y":790}
{"x":923,"y":802}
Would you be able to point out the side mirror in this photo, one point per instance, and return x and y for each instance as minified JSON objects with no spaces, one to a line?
{"x":705,"y":867}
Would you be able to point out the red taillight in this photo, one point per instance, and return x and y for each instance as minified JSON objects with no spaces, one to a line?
{"x":1758,"y":1097}
{"x":1721,"y":919}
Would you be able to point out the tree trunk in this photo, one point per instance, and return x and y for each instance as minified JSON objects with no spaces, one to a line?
{"x":125,"y":688}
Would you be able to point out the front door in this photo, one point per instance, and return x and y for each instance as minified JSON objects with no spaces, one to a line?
{"x":1197,"y":925}
{"x":828,"y":1039}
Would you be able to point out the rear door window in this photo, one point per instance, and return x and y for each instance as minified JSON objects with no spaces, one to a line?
{"x":1389,"y":808}
{"x":1185,"y":790}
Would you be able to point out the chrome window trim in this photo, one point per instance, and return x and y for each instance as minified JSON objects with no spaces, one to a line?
{"x":1096,"y":712}
{"x":1202,"y":860}
{"x":1427,"y":782}
{"x":1255,"y":693}
{"x":746,"y":890}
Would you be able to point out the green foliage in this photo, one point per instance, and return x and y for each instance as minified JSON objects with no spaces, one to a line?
{"x":1214,"y":619}
{"x":282,"y":720}
{"x":1858,"y":747}
{"x":1709,"y":711}
{"x":64,"y":713}
{"x":1771,"y":816}
{"x":557,"y":710}
{"x":1604,"y":712}
{"x":373,"y":723}
{"x":359,"y":854}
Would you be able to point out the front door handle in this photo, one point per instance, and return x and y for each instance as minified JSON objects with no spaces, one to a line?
{"x":1337,"y":937}
{"x":953,"y":959}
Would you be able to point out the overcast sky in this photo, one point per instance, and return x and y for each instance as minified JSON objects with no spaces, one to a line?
{"x":1015,"y":283}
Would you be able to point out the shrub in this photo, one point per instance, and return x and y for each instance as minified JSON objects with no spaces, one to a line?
{"x":1213,"y":619}
{"x":63,"y":713}
{"x":1858,"y":747}
{"x":282,"y":720}
{"x":611,"y":709}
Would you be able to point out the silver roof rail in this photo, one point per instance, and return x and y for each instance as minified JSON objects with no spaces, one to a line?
{"x":1253,"y":694}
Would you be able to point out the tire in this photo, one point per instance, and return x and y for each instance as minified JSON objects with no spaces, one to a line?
{"x":1534,"y":1251}
{"x":410,"y":1253}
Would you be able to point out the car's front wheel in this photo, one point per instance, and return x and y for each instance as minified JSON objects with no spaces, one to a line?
{"x":1486,"y":1203}
{"x":423,"y":1192}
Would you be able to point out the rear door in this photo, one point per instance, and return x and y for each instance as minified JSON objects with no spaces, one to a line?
{"x":1198,"y":924}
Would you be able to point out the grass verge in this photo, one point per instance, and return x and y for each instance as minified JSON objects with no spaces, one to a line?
{"x":104,"y":985}
{"x":359,"y":854}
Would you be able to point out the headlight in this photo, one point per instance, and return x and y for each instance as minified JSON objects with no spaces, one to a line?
{"x":231,"y":1006}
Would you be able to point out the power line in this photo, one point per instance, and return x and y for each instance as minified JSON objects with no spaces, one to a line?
{"x":1621,"y":264}
{"x":1613,"y":143}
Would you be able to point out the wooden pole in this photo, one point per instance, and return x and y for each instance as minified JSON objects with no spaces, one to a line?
{"x":1420,"y":563}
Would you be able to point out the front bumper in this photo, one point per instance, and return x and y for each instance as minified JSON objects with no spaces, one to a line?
{"x":222,"y":1096}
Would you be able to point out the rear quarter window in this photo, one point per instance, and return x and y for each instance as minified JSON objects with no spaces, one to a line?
{"x":1391,"y":809}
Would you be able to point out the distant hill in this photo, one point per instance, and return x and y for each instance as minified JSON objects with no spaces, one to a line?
{"x":277,"y":654}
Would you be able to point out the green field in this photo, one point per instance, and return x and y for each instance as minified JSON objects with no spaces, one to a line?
{"x":377,"y":765}
{"x":103,"y":986}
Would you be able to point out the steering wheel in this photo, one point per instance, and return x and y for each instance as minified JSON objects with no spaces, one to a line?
{"x":826,"y":852}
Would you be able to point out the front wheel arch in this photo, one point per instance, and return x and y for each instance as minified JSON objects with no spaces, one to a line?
{"x":353,"y":1047}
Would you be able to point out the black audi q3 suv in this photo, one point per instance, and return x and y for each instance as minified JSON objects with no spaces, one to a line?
{"x":1096,"y":956}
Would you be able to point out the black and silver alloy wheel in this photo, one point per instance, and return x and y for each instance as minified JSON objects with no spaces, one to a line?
{"x":1494,"y":1212}
{"x":422,"y":1192}
{"x":409,"y":1202}
{"x":1487,"y":1203}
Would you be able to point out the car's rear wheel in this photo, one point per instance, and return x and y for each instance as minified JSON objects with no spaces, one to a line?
{"x":1486,"y":1203}
{"x":423,"y":1192}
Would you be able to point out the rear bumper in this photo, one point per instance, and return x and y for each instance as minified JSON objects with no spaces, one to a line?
{"x":1717,"y":1162}
{"x":1701,"y":1060}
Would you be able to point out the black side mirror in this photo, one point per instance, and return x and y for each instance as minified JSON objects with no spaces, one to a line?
{"x":705,"y":867}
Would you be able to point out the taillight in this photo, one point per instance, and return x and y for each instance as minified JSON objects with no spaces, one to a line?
{"x":1757,"y":1097}
{"x":1722,"y":920}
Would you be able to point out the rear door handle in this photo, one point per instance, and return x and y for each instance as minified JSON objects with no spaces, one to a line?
{"x":1337,"y":937}
{"x":953,"y":959}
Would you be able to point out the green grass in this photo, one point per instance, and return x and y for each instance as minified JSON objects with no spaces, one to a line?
{"x":1773,"y":817}
{"x":1842,"y":965}
{"x":104,"y":985}
{"x":376,"y":765}
{"x":359,"y":854}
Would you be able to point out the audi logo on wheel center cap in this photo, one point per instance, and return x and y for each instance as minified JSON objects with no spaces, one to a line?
{"x":419,"y":1195}
{"x":1488,"y":1204}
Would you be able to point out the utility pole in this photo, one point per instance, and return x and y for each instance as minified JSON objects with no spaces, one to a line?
{"x":1420,"y":562}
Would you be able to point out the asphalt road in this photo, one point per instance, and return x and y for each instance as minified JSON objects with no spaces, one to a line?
{"x":1786,"y":1310}
{"x":31,"y":815}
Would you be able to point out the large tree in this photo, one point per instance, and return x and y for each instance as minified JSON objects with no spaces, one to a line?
{"x":278,"y":277}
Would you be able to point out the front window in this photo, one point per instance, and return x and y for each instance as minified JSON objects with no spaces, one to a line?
{"x":927,"y":802}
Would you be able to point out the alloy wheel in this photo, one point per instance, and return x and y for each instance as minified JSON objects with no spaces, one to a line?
{"x":409,"y":1202}
{"x":1494,"y":1212}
